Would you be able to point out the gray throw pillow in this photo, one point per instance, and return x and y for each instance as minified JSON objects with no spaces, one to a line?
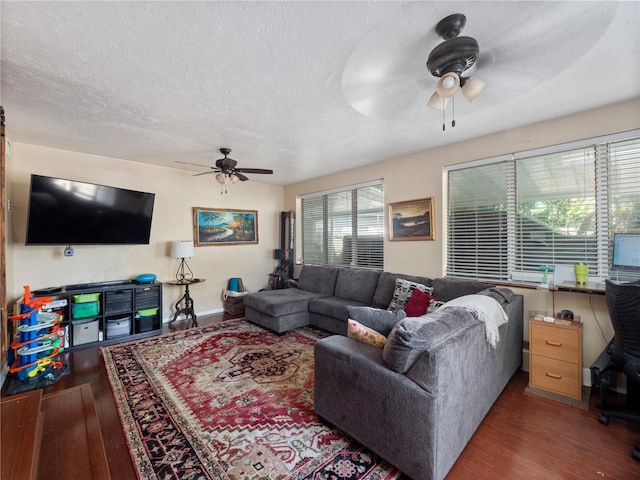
{"x":382,"y":321}
{"x":406,"y":342}
{"x":412,"y":336}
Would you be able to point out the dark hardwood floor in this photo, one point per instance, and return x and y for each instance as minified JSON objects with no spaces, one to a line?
{"x":522,"y":437}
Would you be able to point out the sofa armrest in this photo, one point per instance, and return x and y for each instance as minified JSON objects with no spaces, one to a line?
{"x":356,"y":392}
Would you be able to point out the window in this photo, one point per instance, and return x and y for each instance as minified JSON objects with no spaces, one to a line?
{"x":344,"y":227}
{"x":506,"y":217}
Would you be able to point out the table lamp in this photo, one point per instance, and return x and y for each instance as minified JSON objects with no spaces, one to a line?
{"x":182,"y":249}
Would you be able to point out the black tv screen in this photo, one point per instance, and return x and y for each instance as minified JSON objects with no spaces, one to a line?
{"x":67,"y":212}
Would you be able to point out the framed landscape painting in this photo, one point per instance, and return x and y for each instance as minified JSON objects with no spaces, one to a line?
{"x":411,"y":220}
{"x":221,"y":226}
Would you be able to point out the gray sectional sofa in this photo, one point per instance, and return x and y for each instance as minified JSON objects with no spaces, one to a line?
{"x":417,"y":401}
{"x":322,"y":295}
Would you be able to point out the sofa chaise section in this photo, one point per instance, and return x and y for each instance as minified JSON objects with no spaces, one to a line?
{"x":288,"y":309}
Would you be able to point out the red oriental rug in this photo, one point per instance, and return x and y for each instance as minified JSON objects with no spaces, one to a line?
{"x":230,"y":401}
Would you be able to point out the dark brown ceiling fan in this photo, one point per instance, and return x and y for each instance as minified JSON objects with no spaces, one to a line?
{"x":226,"y":170}
{"x":450,"y":60}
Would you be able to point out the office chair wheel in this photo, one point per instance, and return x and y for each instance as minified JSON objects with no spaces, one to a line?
{"x":636,"y":452}
{"x":604,"y":419}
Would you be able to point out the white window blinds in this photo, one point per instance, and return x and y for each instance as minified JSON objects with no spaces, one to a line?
{"x":508,"y":218}
{"x":477,"y":222}
{"x":556,"y":204}
{"x":344,"y":227}
{"x":623,"y":198}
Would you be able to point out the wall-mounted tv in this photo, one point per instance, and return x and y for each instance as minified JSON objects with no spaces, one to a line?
{"x":68,"y":212}
{"x":626,"y":250}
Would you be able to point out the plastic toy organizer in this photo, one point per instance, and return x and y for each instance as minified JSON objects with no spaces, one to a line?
{"x":38,"y":342}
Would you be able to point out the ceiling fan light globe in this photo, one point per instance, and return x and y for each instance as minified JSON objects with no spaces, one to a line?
{"x":221,"y":178}
{"x":234,"y":178}
{"x":437,"y":102}
{"x":472,"y":88}
{"x":448,"y":85}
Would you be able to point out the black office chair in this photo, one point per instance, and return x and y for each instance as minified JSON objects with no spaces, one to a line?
{"x":623,"y":303}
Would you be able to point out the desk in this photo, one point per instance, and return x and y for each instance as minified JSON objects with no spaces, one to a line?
{"x":589,"y":287}
{"x":188,"y":310}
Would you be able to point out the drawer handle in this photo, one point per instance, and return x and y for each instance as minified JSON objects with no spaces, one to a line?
{"x":553,"y":375}
{"x":553,"y":344}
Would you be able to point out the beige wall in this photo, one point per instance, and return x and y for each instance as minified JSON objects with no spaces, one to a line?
{"x":421,"y":175}
{"x":177,"y":191}
{"x":405,"y":178}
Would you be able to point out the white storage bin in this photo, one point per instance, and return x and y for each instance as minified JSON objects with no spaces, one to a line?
{"x":85,"y":332}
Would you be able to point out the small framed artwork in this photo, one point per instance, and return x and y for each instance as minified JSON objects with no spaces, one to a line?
{"x":411,"y":220}
{"x":221,"y":226}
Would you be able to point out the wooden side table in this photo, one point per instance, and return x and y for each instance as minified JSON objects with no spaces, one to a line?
{"x":555,"y":361}
{"x":188,"y":310}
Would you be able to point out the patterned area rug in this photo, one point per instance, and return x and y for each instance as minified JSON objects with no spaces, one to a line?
{"x":230,"y":401}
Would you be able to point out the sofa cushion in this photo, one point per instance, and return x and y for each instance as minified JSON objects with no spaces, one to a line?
{"x":318,"y":279}
{"x":446,"y":289}
{"x":412,"y":336}
{"x":356,"y":284}
{"x":501,"y":295}
{"x":363,"y":334}
{"x":376,"y":318}
{"x":280,"y":302}
{"x":334,"y":307}
{"x":404,"y":290}
{"x":387,"y":285}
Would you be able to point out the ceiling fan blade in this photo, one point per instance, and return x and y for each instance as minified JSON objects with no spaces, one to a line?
{"x":196,"y":164}
{"x":204,"y":173}
{"x":240,"y":176}
{"x":254,"y":170}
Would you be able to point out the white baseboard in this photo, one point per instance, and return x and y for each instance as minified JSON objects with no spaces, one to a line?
{"x":198,"y":314}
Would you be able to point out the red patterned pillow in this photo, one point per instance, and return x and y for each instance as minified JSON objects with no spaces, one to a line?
{"x":418,"y":303}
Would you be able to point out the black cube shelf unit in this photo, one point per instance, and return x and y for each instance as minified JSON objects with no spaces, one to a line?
{"x":95,"y":313}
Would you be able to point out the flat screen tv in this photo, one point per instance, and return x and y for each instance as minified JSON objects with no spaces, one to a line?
{"x":67,"y":212}
{"x":626,"y":250}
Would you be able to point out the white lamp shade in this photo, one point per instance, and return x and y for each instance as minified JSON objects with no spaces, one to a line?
{"x":234,"y":178}
{"x":437,"y":102}
{"x":182,"y":249}
{"x":472,"y":88}
{"x":221,"y":178}
{"x":448,"y":85}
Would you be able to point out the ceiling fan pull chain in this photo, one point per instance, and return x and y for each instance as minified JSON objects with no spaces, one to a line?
{"x":443,"y":107}
{"x":453,"y":112}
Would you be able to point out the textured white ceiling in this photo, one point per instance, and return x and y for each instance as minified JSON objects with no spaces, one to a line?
{"x":303,"y":88}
